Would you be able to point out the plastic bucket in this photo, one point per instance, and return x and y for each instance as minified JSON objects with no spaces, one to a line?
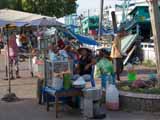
{"x":67,"y":83}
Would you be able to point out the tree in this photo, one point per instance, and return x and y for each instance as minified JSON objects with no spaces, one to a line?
{"x":58,"y":8}
{"x":155,"y":22}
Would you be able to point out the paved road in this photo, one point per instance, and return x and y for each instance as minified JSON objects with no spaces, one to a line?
{"x":28,"y":109}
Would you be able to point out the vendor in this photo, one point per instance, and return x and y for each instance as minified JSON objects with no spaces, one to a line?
{"x":85,"y":63}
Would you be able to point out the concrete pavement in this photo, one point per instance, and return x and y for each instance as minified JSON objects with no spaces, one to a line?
{"x":28,"y":108}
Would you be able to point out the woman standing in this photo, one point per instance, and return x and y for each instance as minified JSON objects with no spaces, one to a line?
{"x":13,"y":55}
{"x":104,"y":67}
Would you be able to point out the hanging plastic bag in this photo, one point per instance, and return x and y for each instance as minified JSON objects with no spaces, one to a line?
{"x":112,"y":97}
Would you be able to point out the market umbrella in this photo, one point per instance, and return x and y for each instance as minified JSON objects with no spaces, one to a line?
{"x":43,"y":22}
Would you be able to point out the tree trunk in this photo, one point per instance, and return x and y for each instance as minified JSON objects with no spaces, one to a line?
{"x":154,"y":15}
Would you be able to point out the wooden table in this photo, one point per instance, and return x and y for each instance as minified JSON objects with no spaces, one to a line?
{"x":62,"y":93}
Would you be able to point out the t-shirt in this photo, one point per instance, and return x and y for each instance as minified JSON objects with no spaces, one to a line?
{"x":53,"y":56}
{"x":82,"y":64}
{"x":63,"y":54}
{"x":19,"y":44}
{"x":116,"y":48}
{"x":104,"y":66}
{"x":23,"y":39}
{"x":13,"y":48}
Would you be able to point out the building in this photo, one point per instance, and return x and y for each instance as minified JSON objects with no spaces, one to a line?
{"x":90,"y":23}
{"x":140,"y":22}
{"x":71,"y":19}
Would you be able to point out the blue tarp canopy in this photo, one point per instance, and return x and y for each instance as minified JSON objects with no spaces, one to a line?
{"x":3,"y":23}
{"x":83,"y":39}
{"x":86,"y":40}
{"x":17,"y":23}
{"x":20,"y":24}
{"x":106,"y":32}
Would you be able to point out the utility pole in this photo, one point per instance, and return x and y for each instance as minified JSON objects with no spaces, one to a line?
{"x":100,"y":19}
{"x":88,"y":20}
{"x":114,"y":21}
{"x":154,"y":16}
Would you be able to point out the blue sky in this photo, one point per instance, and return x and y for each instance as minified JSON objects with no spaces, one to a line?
{"x":92,"y":4}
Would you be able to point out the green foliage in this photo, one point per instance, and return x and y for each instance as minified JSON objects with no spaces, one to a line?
{"x":56,"y":8}
{"x":149,"y":63}
{"x":153,"y":90}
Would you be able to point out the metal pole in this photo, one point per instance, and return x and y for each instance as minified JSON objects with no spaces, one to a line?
{"x":114,"y":21}
{"x":88,"y":21}
{"x":9,"y":69}
{"x":100,"y":19}
{"x":10,"y":96}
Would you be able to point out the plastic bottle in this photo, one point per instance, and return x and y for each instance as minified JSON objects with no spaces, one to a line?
{"x":67,"y":83}
{"x":132,"y":76}
{"x":112,"y":97}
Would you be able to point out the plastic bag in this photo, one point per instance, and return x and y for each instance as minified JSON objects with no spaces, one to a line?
{"x":80,"y":81}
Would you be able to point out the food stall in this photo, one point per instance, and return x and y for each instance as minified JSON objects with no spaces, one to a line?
{"x":55,"y":80}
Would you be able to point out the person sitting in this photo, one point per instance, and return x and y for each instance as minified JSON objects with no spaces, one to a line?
{"x":84,"y":66}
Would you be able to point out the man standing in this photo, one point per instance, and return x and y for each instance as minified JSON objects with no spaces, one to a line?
{"x":116,"y":53}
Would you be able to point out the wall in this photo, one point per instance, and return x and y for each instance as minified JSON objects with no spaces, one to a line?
{"x":148,"y":51}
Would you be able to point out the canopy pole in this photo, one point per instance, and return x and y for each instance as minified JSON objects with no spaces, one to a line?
{"x":9,"y":97}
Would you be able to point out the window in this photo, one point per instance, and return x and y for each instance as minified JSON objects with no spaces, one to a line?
{"x":146,"y":10}
{"x":151,"y":46}
{"x":92,"y":21}
{"x":145,"y":46}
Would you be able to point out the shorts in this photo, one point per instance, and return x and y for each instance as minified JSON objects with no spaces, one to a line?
{"x":118,"y":65}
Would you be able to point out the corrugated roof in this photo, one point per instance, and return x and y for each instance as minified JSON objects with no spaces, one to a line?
{"x":135,"y":9}
{"x":127,"y":42}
